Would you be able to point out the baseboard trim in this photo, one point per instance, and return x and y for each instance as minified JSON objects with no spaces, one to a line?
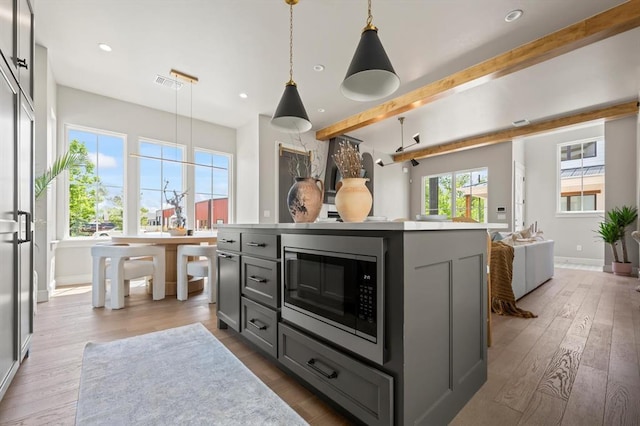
{"x":73,"y":280}
{"x":579,"y":260}
{"x":42,"y":296}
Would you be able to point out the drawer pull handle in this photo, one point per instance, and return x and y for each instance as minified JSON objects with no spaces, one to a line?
{"x":252,"y":244}
{"x":258,"y":324}
{"x":225,"y":256}
{"x":224,"y":240}
{"x":314,"y":364}
{"x":22,"y":63}
{"x":257,"y":279}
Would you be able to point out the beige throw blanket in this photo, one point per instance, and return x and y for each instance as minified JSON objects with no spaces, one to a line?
{"x":503,"y":301}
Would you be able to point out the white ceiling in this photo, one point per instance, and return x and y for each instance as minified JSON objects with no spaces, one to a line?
{"x":236,"y":46}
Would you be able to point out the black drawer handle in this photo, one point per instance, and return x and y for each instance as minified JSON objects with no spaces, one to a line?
{"x":258,"y":324}
{"x":252,"y":244}
{"x":22,"y":63}
{"x":225,"y":256}
{"x":314,"y":364}
{"x":257,"y":279}
{"x":224,"y":240}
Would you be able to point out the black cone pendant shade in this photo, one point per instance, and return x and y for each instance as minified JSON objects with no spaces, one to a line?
{"x":290,"y":116}
{"x":370,"y":75}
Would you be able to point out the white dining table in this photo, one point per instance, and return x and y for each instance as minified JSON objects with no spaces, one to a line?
{"x":170,"y":244}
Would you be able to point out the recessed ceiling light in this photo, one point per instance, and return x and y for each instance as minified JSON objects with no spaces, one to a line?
{"x":520,"y":123}
{"x":105,"y":47}
{"x":318,"y":67}
{"x":243,"y":95}
{"x":513,"y":15}
{"x":320,"y":109}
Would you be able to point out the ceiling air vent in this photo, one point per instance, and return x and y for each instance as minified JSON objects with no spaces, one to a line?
{"x":169,"y":82}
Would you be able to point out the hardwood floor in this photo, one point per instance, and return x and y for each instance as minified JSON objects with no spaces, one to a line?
{"x":576,"y":364}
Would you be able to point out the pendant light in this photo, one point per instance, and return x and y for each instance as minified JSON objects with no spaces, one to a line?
{"x":290,"y":116}
{"x":370,"y":75}
{"x":416,"y":138}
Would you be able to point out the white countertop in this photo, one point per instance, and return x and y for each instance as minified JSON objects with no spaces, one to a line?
{"x":372,"y":226}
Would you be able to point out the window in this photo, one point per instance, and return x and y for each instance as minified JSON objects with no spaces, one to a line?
{"x":96,"y":190}
{"x":462,"y":193}
{"x":581,"y":176}
{"x":211,"y":175}
{"x":161,"y":170}
{"x":578,"y":151}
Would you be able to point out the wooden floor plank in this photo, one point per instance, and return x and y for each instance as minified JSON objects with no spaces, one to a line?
{"x":586,"y":402}
{"x":544,"y":409}
{"x":622,"y":405}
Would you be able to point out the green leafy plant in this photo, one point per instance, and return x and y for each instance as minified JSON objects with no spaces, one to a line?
{"x":610,"y":233}
{"x":64,"y":162}
{"x":623,"y":217}
{"x":614,"y":230}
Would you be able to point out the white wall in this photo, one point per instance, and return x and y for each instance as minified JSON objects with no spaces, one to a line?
{"x":44,"y":155}
{"x":79,"y":108}
{"x":541,"y":196}
{"x":497,"y":158}
{"x":621,"y":139}
{"x":390,"y":185}
{"x":248,"y":173}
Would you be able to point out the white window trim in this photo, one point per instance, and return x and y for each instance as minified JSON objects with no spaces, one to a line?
{"x":453,"y":175}
{"x":63,"y":220}
{"x":230,"y":183}
{"x":567,"y":214}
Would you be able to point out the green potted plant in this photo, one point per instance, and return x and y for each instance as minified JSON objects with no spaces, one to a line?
{"x":614,"y":231}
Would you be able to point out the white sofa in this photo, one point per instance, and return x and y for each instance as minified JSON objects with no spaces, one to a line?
{"x":532,"y":266}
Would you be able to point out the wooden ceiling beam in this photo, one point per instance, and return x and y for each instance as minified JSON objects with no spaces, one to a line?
{"x":605,"y":113}
{"x":598,"y":27}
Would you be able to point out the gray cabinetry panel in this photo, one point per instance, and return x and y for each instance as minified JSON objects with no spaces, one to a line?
{"x":260,"y":326}
{"x":6,"y":29}
{"x":365,"y":392}
{"x":8,"y":229}
{"x":261,"y":244}
{"x":228,"y":290}
{"x":260,"y":280}
{"x":228,"y":240}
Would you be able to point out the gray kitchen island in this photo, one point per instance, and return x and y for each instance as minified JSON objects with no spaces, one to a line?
{"x":385,"y":319}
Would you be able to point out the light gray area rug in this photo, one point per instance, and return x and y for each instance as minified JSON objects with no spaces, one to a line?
{"x":180,"y":376}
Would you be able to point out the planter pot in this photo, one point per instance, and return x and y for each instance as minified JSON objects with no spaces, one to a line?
{"x":353,"y":200}
{"x":623,"y":269}
{"x":305,"y":199}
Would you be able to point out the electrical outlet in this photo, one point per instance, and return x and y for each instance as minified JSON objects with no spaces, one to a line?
{"x":579,"y":247}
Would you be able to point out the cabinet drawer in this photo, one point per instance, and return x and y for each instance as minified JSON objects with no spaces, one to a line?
{"x":261,"y":244}
{"x":228,"y":240}
{"x":260,"y":280}
{"x":260,"y":326}
{"x":363,"y":391}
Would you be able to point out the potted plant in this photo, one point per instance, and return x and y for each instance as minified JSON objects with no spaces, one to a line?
{"x":614,"y":231}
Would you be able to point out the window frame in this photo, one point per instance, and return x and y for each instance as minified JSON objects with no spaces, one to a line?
{"x":579,"y":213}
{"x":229,"y":157}
{"x":65,"y":198}
{"x":453,"y":175}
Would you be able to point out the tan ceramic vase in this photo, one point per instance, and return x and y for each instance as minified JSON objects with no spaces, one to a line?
{"x":353,"y":200}
{"x":305,"y":199}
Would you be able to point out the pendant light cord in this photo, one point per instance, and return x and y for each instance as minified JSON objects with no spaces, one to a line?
{"x":291,"y":42}
{"x":369,"y":15}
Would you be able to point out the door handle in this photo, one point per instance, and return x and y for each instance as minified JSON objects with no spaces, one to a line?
{"x":22,"y":63}
{"x":225,"y":256}
{"x":252,"y":244}
{"x":28,"y":232}
{"x":257,"y":279}
{"x":224,"y":240}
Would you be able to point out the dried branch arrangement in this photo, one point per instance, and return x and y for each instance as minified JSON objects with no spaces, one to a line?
{"x":306,"y":163}
{"x":348,"y":160}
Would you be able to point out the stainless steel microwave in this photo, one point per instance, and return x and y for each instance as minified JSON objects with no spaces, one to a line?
{"x":333,"y":287}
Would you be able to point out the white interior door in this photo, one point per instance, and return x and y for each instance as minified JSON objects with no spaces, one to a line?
{"x":518,"y":196}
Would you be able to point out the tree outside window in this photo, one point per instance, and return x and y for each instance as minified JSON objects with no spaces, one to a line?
{"x":467,"y":198}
